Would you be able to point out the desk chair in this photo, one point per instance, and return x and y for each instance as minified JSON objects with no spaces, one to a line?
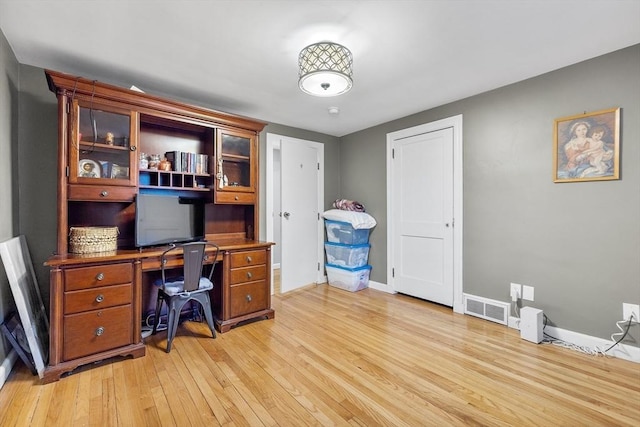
{"x":191,"y":286}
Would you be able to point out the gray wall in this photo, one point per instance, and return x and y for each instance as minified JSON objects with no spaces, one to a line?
{"x":9,"y":83}
{"x":37,"y":165}
{"x":578,"y":244}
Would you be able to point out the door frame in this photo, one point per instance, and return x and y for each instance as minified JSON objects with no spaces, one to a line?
{"x":273,"y":143}
{"x":454,"y":122}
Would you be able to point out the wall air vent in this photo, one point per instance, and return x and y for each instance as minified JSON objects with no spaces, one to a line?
{"x":488,"y":309}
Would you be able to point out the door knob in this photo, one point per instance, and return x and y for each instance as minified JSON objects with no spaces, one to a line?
{"x":286,"y":215}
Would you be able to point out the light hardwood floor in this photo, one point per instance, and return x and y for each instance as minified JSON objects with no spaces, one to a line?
{"x":332,"y":357}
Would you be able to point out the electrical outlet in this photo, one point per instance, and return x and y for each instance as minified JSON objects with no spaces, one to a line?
{"x":516,"y":291}
{"x":631,"y":309}
{"x":527,"y":292}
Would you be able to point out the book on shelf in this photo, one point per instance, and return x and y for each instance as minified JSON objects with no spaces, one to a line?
{"x":174,"y":157}
{"x":188,"y":162}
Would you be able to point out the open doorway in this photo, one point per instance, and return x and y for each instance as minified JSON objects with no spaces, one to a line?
{"x":294,"y":203}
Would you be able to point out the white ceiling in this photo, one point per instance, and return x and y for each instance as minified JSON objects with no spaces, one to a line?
{"x":240,"y":56}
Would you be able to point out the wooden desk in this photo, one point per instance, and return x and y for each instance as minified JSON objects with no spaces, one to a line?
{"x":97,"y":299}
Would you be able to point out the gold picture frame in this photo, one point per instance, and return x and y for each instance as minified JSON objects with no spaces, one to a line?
{"x":586,"y":147}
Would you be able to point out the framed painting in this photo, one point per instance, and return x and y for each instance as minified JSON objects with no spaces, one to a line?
{"x":586,"y":147}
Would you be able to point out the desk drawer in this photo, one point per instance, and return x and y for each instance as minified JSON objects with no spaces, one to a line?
{"x":99,"y":275}
{"x":96,"y":298}
{"x":244,"y":259}
{"x":248,"y":274}
{"x":150,"y":264}
{"x":96,"y":331}
{"x":101,"y":193}
{"x":248,"y":297}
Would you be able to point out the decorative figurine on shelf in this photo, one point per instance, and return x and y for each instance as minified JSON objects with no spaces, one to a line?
{"x":109,"y":138}
{"x":164,"y":165}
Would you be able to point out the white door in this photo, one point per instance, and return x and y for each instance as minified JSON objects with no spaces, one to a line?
{"x":422,"y":214}
{"x":300,"y":214}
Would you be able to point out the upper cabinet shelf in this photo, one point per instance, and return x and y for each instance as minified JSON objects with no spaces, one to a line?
{"x":86,"y":146}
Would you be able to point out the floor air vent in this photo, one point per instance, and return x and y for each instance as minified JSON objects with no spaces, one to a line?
{"x":495,"y":311}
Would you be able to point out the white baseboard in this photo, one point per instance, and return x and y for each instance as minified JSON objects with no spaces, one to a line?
{"x":381,"y":287}
{"x":622,"y":351}
{"x":7,"y":365}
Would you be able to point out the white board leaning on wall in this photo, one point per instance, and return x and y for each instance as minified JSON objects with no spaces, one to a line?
{"x":26,"y":293}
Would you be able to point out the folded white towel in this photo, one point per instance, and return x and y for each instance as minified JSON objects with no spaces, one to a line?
{"x":358,"y":220}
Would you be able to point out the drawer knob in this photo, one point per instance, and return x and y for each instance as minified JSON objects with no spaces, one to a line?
{"x":249,"y":298}
{"x":99,"y":331}
{"x":236,"y":197}
{"x":249,"y":259}
{"x":100,"y":276}
{"x":249,"y":275}
{"x":104,"y":193}
{"x":100,"y":298}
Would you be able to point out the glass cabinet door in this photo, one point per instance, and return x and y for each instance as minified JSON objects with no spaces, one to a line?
{"x":102,"y":146}
{"x":236,"y":164}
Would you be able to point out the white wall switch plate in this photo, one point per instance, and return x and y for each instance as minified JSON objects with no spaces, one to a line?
{"x":527,"y":292}
{"x":515,"y":291}
{"x":629,"y":309}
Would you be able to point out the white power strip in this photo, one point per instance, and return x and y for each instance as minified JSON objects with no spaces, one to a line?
{"x":514,"y":322}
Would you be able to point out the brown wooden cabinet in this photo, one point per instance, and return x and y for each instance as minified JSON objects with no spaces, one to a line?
{"x":110,"y":142}
{"x":97,"y":309}
{"x":94,"y":313}
{"x":236,"y":167}
{"x":102,"y":145}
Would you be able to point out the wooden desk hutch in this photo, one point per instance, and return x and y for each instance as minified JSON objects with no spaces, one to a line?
{"x":98,"y":299}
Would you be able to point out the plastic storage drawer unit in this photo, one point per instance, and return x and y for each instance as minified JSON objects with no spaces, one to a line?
{"x":347,"y":255}
{"x":350,"y":279}
{"x":343,"y":232}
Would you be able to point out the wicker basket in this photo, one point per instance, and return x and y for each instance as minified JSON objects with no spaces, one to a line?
{"x":86,"y":240}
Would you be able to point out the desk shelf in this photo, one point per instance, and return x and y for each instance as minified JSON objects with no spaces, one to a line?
{"x":174,"y":180}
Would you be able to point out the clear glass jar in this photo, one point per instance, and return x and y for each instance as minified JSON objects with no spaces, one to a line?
{"x":154,"y":161}
{"x":144,"y":161}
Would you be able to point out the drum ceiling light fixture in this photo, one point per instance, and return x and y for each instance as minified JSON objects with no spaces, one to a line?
{"x":325,"y":69}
